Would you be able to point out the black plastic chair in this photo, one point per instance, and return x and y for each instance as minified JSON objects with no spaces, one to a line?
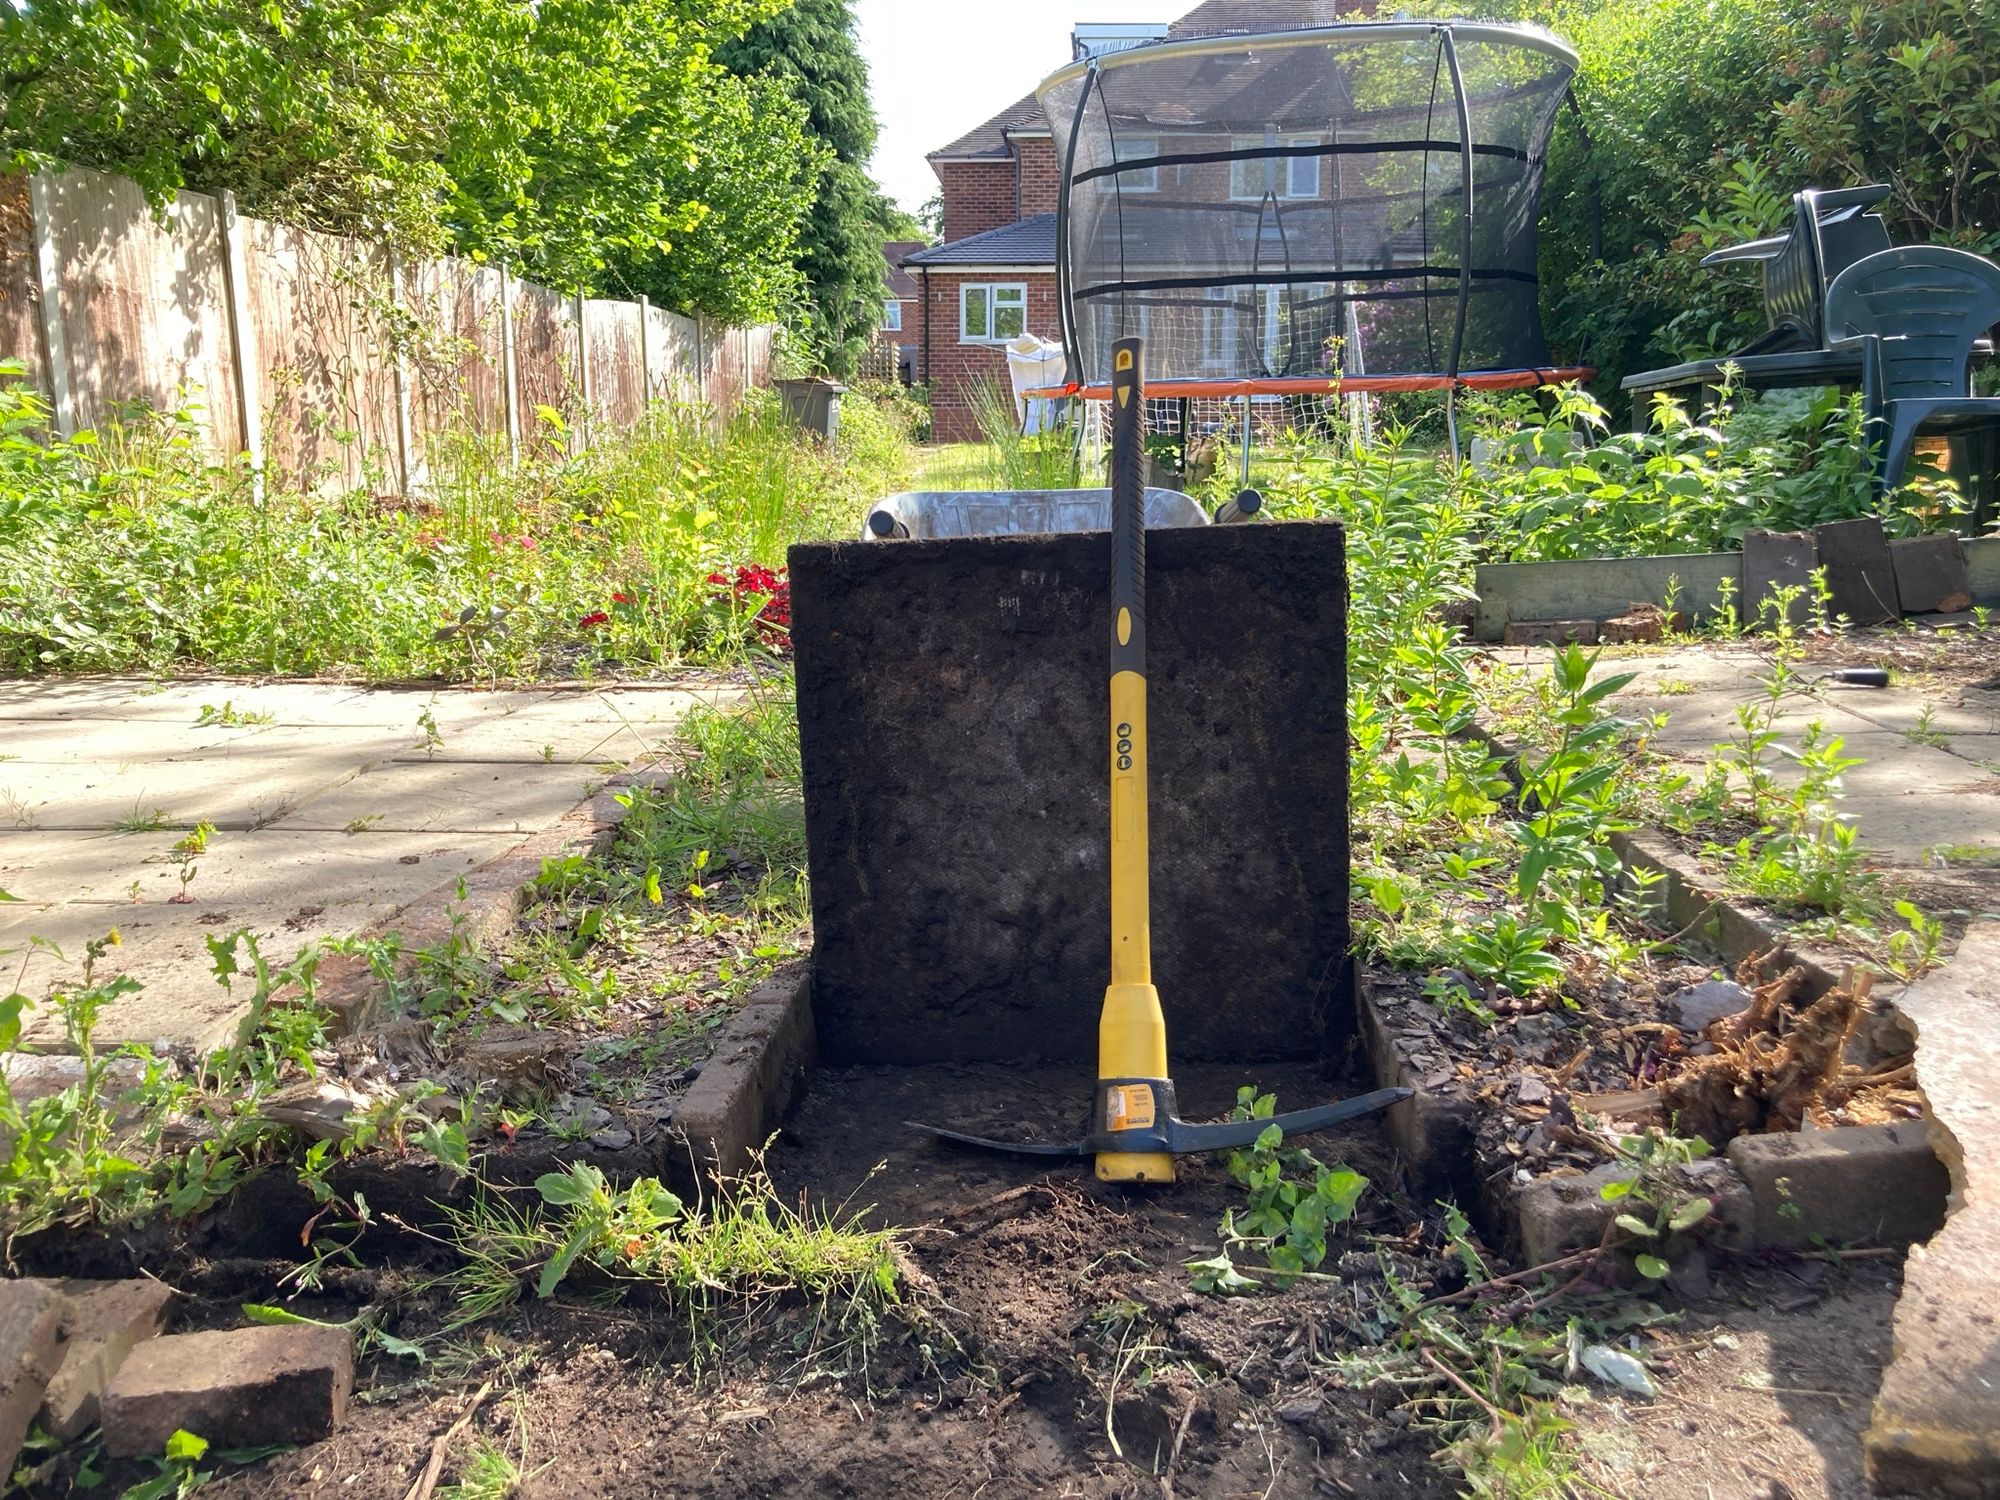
{"x":1915,"y":313}
{"x":1832,"y":228}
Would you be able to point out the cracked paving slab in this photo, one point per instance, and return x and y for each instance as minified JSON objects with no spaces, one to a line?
{"x":333,"y":812}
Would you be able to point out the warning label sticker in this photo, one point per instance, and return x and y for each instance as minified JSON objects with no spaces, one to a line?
{"x":1128,"y":1106}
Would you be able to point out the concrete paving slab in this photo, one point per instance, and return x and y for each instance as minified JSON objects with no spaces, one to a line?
{"x":1936,"y":1422}
{"x":233,"y":787}
{"x":281,"y":867}
{"x":79,"y":755}
{"x":44,"y":868}
{"x":164,"y":948}
{"x":1904,"y":709}
{"x":469,"y":797}
{"x":67,"y":741}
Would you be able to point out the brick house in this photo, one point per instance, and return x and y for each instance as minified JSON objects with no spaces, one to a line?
{"x":993,"y":276}
{"x":896,"y":335}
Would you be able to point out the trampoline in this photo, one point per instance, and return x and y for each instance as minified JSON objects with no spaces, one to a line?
{"x":1308,"y":213}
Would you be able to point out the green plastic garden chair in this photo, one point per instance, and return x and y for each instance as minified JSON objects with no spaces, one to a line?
{"x":1915,"y":313}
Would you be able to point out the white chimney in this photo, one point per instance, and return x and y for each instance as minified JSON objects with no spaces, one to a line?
{"x":1095,"y":38}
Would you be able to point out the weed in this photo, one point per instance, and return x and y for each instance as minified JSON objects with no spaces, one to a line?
{"x":1292,"y":1201}
{"x":1925,"y":731}
{"x":732,"y":1258}
{"x":1913,"y":950}
{"x":489,"y":575}
{"x":229,"y":716}
{"x":139,"y":820}
{"x":1673,"y":687}
{"x":431,"y":738}
{"x":180,"y":1473}
{"x":187,"y":852}
{"x":488,"y":1473}
{"x":363,"y":823}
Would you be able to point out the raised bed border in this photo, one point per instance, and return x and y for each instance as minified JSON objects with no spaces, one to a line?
{"x":1603,"y":588}
{"x":1879,"y":1184}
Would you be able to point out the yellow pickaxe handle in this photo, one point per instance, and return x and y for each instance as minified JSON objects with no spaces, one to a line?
{"x":1131,"y":1032}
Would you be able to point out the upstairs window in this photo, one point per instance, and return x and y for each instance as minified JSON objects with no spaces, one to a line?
{"x":892,"y":316}
{"x":992,"y":312}
{"x":1144,"y":179}
{"x":1284,"y":176}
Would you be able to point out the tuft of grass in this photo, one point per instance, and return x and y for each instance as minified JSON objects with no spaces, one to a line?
{"x":737,"y":1259}
{"x":139,"y":820}
{"x":488,"y":1473}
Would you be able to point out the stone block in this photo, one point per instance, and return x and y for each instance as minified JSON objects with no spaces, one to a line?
{"x":102,"y":1322}
{"x":1930,"y":570}
{"x":1857,"y":1185}
{"x":1774,"y":560}
{"x":1859,"y":575}
{"x":239,"y":1388}
{"x":1557,"y":1215}
{"x":748,"y":1083}
{"x":952,"y":721}
{"x":1551,"y":633}
{"x":1936,"y":1423}
{"x":30,"y":1344}
{"x":1935,"y":1428}
{"x":1643,"y":624}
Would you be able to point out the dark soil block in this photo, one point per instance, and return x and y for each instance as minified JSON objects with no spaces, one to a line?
{"x":953,"y":720}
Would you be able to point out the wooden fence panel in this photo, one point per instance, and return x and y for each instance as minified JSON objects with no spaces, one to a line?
{"x":20,"y":284}
{"x":613,"y":347}
{"x":361,"y":367}
{"x":327,"y":388}
{"x":545,"y":365}
{"x":674,"y":345}
{"x":144,"y":305}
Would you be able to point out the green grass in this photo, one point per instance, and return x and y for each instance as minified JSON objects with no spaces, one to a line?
{"x":126,"y":550}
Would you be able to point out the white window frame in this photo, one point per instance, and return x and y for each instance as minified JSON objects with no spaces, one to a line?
{"x":1014,"y":293}
{"x":1147,"y":181}
{"x":1302,"y":173}
{"x":892,"y":315}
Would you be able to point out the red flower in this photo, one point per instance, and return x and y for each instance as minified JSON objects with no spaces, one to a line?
{"x":621,"y":599}
{"x":592,"y":621}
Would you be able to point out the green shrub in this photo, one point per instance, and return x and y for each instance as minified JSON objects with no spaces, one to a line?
{"x":127,"y":550}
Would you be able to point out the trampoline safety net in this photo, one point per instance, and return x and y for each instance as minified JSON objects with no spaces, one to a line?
{"x":1347,"y":201}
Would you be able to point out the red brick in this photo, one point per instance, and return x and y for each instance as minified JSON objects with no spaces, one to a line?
{"x":30,"y":1337}
{"x":102,"y":1322}
{"x":239,"y":1388}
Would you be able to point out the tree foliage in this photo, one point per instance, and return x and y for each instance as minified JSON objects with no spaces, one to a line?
{"x":1703,"y":117}
{"x":589,"y":142}
{"x":811,"y":49}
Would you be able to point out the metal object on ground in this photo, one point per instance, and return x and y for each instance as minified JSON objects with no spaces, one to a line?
{"x":952,"y":513}
{"x":1240,"y":507}
{"x":1136,"y":1134}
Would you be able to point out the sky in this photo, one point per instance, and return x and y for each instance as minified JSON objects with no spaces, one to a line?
{"x":937,"y":68}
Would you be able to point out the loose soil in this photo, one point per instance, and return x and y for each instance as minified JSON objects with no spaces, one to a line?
{"x":1047,"y":1297}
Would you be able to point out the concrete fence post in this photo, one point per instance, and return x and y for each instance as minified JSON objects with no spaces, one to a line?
{"x":243,"y":352}
{"x":510,"y":387}
{"x":580,"y":438}
{"x":645,"y":364}
{"x":406,"y":437}
{"x":48,"y":277}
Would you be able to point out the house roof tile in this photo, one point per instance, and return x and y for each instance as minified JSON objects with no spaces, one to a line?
{"x":1032,"y":242}
{"x":901,"y":282}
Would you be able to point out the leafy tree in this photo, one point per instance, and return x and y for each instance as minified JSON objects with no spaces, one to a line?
{"x":590,"y":142}
{"x":811,"y":48}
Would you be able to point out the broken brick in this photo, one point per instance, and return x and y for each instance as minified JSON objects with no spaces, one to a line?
{"x":102,"y":1322}
{"x":239,"y":1388}
{"x":30,"y":1343}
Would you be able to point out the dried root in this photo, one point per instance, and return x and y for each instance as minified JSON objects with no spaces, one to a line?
{"x":1774,"y":1066}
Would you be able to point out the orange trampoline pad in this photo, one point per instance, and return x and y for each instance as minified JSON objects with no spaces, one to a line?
{"x":1298,"y":385}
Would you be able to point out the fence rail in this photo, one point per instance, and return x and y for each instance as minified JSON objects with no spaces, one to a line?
{"x":325,"y":359}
